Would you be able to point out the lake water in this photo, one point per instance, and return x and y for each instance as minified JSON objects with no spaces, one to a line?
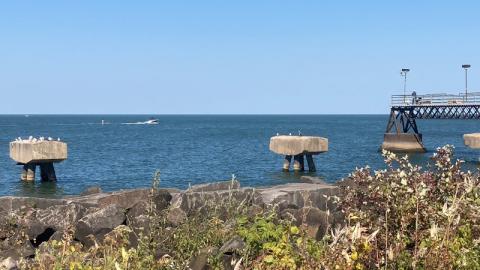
{"x":190,"y":149}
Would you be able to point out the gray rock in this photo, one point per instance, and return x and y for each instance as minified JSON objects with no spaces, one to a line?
{"x":312,"y":180}
{"x":11,"y":203}
{"x":193,"y":201}
{"x":9,"y":264}
{"x":139,"y":209}
{"x":233,"y":245}
{"x":16,"y":250}
{"x":217,"y":186}
{"x":176,"y":216}
{"x":200,"y":261}
{"x":99,"y":223}
{"x":91,"y":190}
{"x":60,"y":217}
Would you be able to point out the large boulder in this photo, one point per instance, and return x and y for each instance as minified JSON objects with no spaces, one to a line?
{"x":99,"y":223}
{"x":216,"y":186}
{"x":60,"y":217}
{"x":12,"y":203}
{"x":193,"y":202}
{"x":298,"y":195}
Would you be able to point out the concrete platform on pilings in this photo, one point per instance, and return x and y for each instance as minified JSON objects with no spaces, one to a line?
{"x":403,"y":142}
{"x":472,"y":140}
{"x":42,"y":153}
{"x":299,"y":148}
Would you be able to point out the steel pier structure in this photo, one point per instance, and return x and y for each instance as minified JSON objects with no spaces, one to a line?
{"x":402,"y":132}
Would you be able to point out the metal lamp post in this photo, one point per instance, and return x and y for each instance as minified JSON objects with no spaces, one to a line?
{"x":403,"y":73}
{"x":466,"y":67}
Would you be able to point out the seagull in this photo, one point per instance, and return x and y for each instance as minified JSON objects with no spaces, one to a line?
{"x":19,"y":138}
{"x":49,"y":138}
{"x":290,"y":134}
{"x":42,"y":139}
{"x":30,"y":138}
{"x":58,"y":139}
{"x":277,"y":134}
{"x":34,"y":140}
{"x":299,"y":132}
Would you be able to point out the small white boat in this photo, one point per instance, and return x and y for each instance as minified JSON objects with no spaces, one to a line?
{"x":151,"y":122}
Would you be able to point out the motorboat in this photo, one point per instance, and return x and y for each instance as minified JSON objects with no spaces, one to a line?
{"x":151,"y":122}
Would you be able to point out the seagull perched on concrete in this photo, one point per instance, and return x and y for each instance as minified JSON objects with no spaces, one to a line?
{"x":277,"y":134}
{"x":19,"y":138}
{"x":290,"y":134}
{"x":299,"y":132}
{"x":34,"y":140}
{"x":42,"y":139}
{"x":49,"y":138}
{"x":58,"y":139}
{"x":30,"y":138}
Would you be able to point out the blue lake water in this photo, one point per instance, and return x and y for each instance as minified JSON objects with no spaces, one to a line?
{"x":190,"y":149}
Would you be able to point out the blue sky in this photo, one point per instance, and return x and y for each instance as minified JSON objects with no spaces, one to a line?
{"x":231,"y":57}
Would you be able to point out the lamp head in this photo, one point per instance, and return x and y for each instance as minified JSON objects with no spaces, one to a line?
{"x":466,"y":66}
{"x":405,"y":70}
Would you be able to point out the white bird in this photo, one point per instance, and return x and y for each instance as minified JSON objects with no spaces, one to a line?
{"x":30,"y":138}
{"x":34,"y":140}
{"x":290,"y":134}
{"x":58,"y":139}
{"x":19,"y":138}
{"x":277,"y":134}
{"x":42,"y":139}
{"x":299,"y":132}
{"x":49,"y":138}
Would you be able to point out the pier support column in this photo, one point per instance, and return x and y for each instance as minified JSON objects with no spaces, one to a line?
{"x":311,"y":164}
{"x":286,"y":163}
{"x":23,"y":176}
{"x":47,"y":172}
{"x":28,"y":172}
{"x":298,"y":163}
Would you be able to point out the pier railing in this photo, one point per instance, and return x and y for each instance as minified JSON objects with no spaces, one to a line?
{"x":436,"y":99}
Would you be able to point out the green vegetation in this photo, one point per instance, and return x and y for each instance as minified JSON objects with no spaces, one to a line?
{"x":402,"y":217}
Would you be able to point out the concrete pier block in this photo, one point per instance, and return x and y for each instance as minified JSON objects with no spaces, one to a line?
{"x":403,"y":142}
{"x":26,"y":151}
{"x":311,"y":163}
{"x":33,"y":152}
{"x":472,"y":140}
{"x":295,"y":145}
{"x":286,"y":163}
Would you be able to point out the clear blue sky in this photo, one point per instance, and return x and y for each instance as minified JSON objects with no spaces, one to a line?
{"x":189,"y":57}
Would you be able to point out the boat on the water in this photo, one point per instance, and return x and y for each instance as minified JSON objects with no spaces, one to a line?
{"x":152,"y":121}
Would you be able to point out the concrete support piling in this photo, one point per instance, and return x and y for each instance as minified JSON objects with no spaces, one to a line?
{"x":30,"y":171}
{"x":311,"y":164}
{"x":286,"y":163}
{"x":298,"y":163}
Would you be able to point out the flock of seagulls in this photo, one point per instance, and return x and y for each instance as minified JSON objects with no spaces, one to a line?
{"x":290,"y":134}
{"x":33,"y":139}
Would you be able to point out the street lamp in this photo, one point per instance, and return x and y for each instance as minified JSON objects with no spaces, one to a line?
{"x":466,"y":67}
{"x":403,"y":73}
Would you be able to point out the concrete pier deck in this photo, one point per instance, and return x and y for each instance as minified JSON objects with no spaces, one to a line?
{"x":41,"y":152}
{"x":300,"y":147}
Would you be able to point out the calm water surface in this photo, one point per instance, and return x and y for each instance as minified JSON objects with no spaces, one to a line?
{"x":196,"y":149}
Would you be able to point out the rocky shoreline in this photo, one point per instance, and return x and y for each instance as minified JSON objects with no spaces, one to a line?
{"x":96,"y":213}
